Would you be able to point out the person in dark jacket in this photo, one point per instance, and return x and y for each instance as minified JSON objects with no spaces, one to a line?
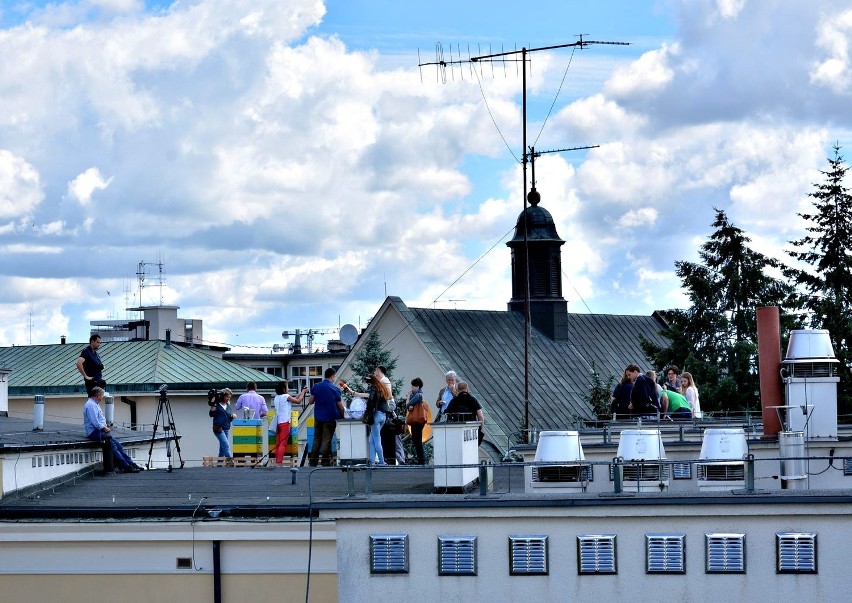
{"x":90,"y":366}
{"x":621,"y":397}
{"x":464,"y":407}
{"x":223,"y":414}
{"x":643,"y":397}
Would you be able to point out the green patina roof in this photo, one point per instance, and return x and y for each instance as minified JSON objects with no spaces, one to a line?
{"x":130,"y":367}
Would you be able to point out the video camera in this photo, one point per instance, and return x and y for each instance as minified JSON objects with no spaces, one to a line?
{"x":164,"y":390}
{"x":215,"y":396}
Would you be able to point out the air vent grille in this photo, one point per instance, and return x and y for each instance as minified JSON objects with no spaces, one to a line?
{"x":561,"y":473}
{"x":457,"y":555}
{"x":725,"y":553}
{"x":811,"y":369}
{"x":722,"y":473}
{"x":596,"y":554}
{"x":528,"y":555}
{"x":796,"y":553}
{"x":642,"y":472}
{"x":847,"y":466}
{"x":682,"y":470}
{"x":665,"y":553}
{"x":389,"y":553}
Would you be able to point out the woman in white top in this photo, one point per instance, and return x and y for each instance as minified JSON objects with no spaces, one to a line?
{"x":690,"y":392}
{"x":283,"y":407}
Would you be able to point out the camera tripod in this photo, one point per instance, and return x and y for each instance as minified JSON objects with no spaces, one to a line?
{"x":165,"y":418}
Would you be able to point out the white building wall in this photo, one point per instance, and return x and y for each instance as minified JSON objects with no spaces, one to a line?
{"x":492,"y":527}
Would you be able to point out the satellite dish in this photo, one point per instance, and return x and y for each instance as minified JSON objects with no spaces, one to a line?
{"x":348,"y":334}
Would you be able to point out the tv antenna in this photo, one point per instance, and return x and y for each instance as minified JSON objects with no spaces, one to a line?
{"x":143,"y":270}
{"x":533,"y":196}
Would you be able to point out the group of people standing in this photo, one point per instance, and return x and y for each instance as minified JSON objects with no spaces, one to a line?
{"x":639,"y":394}
{"x":377,"y":404}
{"x":454,"y":402}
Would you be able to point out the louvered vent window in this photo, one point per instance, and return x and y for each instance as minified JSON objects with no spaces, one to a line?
{"x":457,"y":555}
{"x":388,"y":553}
{"x":528,"y":555}
{"x":561,"y":473}
{"x":682,"y":470}
{"x":596,"y":554}
{"x":847,"y":467}
{"x":796,"y":553}
{"x":725,"y":553}
{"x":812,"y":369}
{"x":727,"y":472}
{"x":665,"y":553}
{"x":642,"y":472}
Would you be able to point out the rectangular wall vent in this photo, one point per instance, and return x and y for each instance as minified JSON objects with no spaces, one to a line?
{"x":847,"y":467}
{"x":457,"y":555}
{"x":596,"y":554}
{"x":642,"y":472}
{"x":796,"y":553}
{"x":388,"y":553}
{"x":726,"y":472}
{"x":561,"y":473}
{"x":682,"y":470}
{"x":665,"y":553}
{"x":528,"y":555}
{"x":183,"y":563}
{"x":725,"y":553}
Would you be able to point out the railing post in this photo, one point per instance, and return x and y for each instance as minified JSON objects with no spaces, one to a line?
{"x":350,"y":481}
{"x":617,"y":474}
{"x":483,"y":478}
{"x":749,"y":472}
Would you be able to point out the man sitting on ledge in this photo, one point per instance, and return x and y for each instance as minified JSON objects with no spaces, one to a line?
{"x":94,"y":424}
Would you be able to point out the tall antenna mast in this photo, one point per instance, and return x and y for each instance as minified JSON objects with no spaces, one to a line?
{"x":500,"y":57}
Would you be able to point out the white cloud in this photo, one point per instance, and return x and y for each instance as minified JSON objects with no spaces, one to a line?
{"x":833,"y":36}
{"x":20,"y":186}
{"x":83,"y":186}
{"x":650,"y":73}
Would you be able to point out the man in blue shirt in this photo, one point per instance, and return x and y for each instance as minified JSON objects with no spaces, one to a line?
{"x":328,"y":407}
{"x":94,"y":424}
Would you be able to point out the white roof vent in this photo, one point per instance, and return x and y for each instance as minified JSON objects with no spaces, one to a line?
{"x":810,"y":344}
{"x":640,"y":448}
{"x":724,"y":450}
{"x":562,"y":462}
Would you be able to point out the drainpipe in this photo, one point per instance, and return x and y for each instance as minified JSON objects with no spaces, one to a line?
{"x":217,"y":571}
{"x":769,"y":368}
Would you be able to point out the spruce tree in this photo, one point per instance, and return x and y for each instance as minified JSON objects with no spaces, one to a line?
{"x":371,"y":355}
{"x":825,"y":285}
{"x":715,"y":339}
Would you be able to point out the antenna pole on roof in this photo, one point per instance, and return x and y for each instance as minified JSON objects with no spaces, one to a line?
{"x":441,"y":67}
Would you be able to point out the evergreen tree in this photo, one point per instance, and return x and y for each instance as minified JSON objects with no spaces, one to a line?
{"x":600,"y":393}
{"x":826,"y":285}
{"x":716,"y":337}
{"x":371,"y":355}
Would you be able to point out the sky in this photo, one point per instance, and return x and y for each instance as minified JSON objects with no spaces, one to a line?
{"x":288,"y":164}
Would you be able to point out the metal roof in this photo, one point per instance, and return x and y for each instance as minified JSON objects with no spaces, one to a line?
{"x":130,"y":367}
{"x":486,"y":348}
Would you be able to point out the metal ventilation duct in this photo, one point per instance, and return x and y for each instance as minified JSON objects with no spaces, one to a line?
{"x":560,"y":462}
{"x":642,"y":451}
{"x":809,"y":374}
{"x":724,"y":451}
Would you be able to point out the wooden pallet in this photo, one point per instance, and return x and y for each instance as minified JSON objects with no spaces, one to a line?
{"x":245,"y":461}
